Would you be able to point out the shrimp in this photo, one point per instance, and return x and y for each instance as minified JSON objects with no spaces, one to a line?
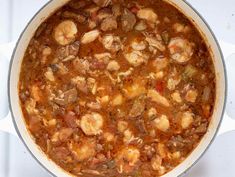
{"x":91,"y":124}
{"x":84,"y":150}
{"x":181,"y":50}
{"x":127,"y":159}
{"x":90,"y":36}
{"x":65,"y":32}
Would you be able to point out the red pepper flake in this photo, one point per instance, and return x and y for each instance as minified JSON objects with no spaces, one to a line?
{"x":160,"y":86}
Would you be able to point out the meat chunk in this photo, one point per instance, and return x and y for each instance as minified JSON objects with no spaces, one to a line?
{"x":147,"y":14}
{"x":117,"y":100}
{"x":94,"y":105}
{"x":136,"y":58}
{"x":138,"y":107}
{"x":201,"y":128}
{"x":36,"y":93}
{"x":113,"y":66}
{"x":71,"y":119}
{"x":126,"y":159}
{"x":135,"y":90}
{"x":62,"y":135}
{"x":156,"y":43}
{"x":104,"y":13}
{"x":49,"y":74}
{"x":68,"y":52}
{"x":84,"y":150}
{"x":191,"y":95}
{"x":116,"y":9}
{"x":102,"y":3}
{"x":66,"y":97}
{"x":162,"y":123}
{"x":160,"y":63}
{"x":60,"y":154}
{"x":78,"y":17}
{"x":158,"y":98}
{"x":108,"y":24}
{"x":138,"y":45}
{"x":34,"y":123}
{"x":181,"y":28}
{"x":186,"y":119}
{"x":152,"y":113}
{"x":176,"y":97}
{"x":122,"y":126}
{"x":128,"y":20}
{"x":156,"y":163}
{"x":141,"y":25}
{"x":81,"y":65}
{"x":70,"y":96}
{"x":80,"y":83}
{"x":111,"y":42}
{"x":77,"y":4}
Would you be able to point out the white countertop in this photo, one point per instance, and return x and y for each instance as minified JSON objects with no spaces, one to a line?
{"x":219,"y":160}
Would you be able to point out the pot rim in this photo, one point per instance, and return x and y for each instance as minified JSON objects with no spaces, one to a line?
{"x":223,"y":106}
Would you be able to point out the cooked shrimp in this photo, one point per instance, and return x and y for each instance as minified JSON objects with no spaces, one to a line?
{"x":126,"y":159}
{"x":84,"y":150}
{"x":180,"y":49}
{"x":65,"y":32}
{"x":91,"y":124}
{"x":90,"y":36}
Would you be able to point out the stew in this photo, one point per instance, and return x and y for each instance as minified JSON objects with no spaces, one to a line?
{"x":117,"y":88}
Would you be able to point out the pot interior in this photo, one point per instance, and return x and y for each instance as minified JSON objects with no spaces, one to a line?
{"x":15,"y":102}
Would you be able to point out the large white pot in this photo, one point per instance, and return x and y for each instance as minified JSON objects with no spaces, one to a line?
{"x":17,"y":115}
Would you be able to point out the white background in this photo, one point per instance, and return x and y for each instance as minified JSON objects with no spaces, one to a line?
{"x":219,"y":161}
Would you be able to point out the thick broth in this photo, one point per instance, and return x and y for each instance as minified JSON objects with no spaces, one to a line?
{"x":133,"y":97}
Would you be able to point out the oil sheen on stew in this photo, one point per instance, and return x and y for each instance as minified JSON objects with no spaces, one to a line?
{"x":117,"y":88}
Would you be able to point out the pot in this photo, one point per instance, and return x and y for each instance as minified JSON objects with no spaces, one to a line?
{"x":17,"y":115}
